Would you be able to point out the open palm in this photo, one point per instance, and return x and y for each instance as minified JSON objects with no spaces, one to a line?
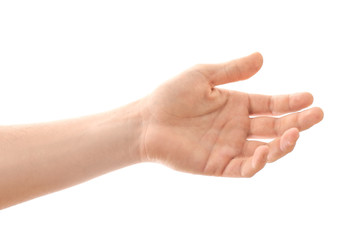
{"x":193,"y":126}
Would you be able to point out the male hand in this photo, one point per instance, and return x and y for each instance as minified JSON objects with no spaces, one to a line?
{"x":192,"y":125}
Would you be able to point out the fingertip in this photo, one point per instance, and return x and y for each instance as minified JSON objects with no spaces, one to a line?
{"x":260,"y":156}
{"x":300,"y":100}
{"x":294,"y":132}
{"x":289,"y":139}
{"x":319,"y":114}
{"x":310,"y":97}
{"x":256,"y":162}
{"x":310,"y":117}
{"x":259,"y":59}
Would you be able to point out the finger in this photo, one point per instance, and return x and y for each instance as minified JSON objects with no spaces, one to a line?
{"x":283,"y":145}
{"x":255,"y":163}
{"x":235,"y":70}
{"x":247,"y":167}
{"x":279,"y":147}
{"x":270,"y":127}
{"x":281,"y":104}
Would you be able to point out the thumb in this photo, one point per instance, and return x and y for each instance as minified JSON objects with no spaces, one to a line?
{"x":236,"y":70}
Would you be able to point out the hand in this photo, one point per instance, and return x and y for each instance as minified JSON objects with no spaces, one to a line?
{"x":193,"y":126}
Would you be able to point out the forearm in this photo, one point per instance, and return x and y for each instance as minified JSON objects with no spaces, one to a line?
{"x":42,"y":158}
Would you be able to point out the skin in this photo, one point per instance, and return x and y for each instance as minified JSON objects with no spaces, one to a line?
{"x":188,"y":124}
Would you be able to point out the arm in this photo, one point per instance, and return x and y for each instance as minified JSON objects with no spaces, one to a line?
{"x":42,"y":158}
{"x":188,"y":124}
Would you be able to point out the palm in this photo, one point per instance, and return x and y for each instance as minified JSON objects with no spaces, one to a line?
{"x":195,"y":127}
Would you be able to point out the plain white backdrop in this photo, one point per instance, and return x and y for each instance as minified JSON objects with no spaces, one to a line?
{"x":64,"y":59}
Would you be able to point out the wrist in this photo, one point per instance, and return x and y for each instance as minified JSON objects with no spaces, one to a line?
{"x":120,"y":134}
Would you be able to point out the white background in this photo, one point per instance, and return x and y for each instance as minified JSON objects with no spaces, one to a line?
{"x":63,"y":59}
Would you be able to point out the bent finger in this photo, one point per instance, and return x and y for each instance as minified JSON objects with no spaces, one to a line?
{"x":283,"y":145}
{"x":278,"y":147}
{"x":249,"y":166}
